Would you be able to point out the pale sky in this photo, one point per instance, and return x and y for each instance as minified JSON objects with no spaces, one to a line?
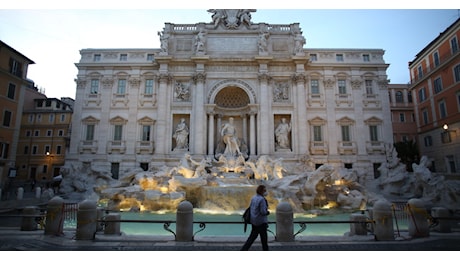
{"x":52,"y":38}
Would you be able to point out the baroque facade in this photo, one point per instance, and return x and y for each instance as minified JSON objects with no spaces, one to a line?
{"x":129,"y":102}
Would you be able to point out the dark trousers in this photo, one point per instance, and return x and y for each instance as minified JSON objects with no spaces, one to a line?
{"x":255,"y":231}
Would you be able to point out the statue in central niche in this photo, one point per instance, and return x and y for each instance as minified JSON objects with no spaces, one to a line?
{"x":230,"y":138}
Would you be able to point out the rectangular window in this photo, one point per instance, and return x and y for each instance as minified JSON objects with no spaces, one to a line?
{"x":150,"y":57}
{"x":457,"y":73}
{"x":437,"y":85}
{"x":34,"y":149}
{"x":454,"y":44}
{"x":97,"y":57}
{"x":39,"y":118}
{"x":89,"y":133}
{"x":58,"y":149}
{"x":314,"y":84}
{"x":402,"y":117}
{"x":4,"y":150}
{"x":421,"y":94}
{"x":118,"y":131}
{"x":7,"y":118}
{"x":369,"y":89}
{"x":146,"y":133}
{"x":28,"y":133}
{"x":49,"y":132}
{"x":366,"y":58}
{"x":62,"y":117}
{"x":123,"y":57}
{"x":428,"y":140}
{"x":345,"y":133}
{"x":313,"y":57}
{"x":436,"y":59}
{"x":420,"y":72}
{"x":26,"y":149}
{"x":339,"y":57}
{"x":11,"y":91}
{"x":47,"y":149}
{"x":458,"y":101}
{"x":15,"y":67}
{"x":45,"y":168}
{"x":373,"y":133}
{"x":61,"y":133}
{"x":442,"y":109}
{"x":94,"y":86}
{"x":121,"y":86}
{"x":148,"y":86}
{"x":31,"y":118}
{"x":115,"y":169}
{"x":445,"y":137}
{"x":342,"y":86}
{"x":37,"y":133}
{"x":425,"y":116}
{"x":317,"y":135}
{"x":51,"y":118}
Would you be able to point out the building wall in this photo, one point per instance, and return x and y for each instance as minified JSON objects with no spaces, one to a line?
{"x":13,"y":71}
{"x":442,"y":147}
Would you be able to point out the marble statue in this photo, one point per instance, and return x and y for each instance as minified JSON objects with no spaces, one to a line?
{"x":164,"y":42}
{"x":200,"y":40}
{"x":282,"y":134}
{"x":181,"y":135}
{"x":230,"y":138}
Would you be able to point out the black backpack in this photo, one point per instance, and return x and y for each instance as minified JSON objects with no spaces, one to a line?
{"x":247,"y":218}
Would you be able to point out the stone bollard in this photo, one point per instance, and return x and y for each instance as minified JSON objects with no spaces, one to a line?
{"x":383,"y":221}
{"x":418,"y":222}
{"x":55,"y":216}
{"x":100,"y":216}
{"x":184,"y":221}
{"x":86,"y":220}
{"x":358,"y":228}
{"x":284,"y":222}
{"x":20,"y":194}
{"x":443,"y":224}
{"x":38,"y":192}
{"x":29,"y":222}
{"x":112,"y":228}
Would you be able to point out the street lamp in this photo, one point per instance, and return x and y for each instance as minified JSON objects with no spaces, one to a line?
{"x":445,"y":127}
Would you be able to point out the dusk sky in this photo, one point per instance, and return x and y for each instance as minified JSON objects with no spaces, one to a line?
{"x":52,"y":38}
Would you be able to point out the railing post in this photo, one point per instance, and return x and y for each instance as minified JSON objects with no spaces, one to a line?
{"x":418,"y":221}
{"x":38,"y":192}
{"x":184,"y":221}
{"x":284,"y":222}
{"x":20,"y":194}
{"x":358,"y":228}
{"x":383,"y":220}
{"x":28,"y":219}
{"x":443,"y":224}
{"x":100,"y":216}
{"x":54,"y":216}
{"x":86,"y":220}
{"x":112,"y":228}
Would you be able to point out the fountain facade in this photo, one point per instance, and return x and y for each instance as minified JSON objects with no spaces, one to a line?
{"x":224,"y":106}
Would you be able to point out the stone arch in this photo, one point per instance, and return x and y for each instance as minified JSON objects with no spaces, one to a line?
{"x":238,"y":85}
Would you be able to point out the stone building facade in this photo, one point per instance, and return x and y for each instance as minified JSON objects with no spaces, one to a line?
{"x":129,"y":102}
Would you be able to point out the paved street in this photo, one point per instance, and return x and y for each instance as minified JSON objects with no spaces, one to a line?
{"x":14,"y":240}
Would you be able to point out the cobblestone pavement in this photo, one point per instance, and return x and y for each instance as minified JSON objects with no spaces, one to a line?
{"x":15,"y":240}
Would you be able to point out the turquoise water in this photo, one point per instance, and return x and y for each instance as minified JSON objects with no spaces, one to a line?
{"x":228,"y":229}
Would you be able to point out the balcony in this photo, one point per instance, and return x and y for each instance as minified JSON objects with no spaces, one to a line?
{"x":318,"y":148}
{"x":315,"y":99}
{"x":375,"y":147}
{"x":93,"y":98}
{"x":116,"y":147}
{"x":120,"y":98}
{"x":347,"y":147}
{"x":87,"y":146}
{"x":343,"y":99}
{"x":145,"y":147}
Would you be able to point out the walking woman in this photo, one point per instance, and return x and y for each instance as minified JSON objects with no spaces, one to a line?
{"x":259,"y":220}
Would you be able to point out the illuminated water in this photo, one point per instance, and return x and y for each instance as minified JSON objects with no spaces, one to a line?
{"x":229,"y":229}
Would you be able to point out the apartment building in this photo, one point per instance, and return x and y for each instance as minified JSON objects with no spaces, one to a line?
{"x":435,"y":86}
{"x":13,"y":84}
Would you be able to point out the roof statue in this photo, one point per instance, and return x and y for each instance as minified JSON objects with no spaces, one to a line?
{"x":231,"y":18}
